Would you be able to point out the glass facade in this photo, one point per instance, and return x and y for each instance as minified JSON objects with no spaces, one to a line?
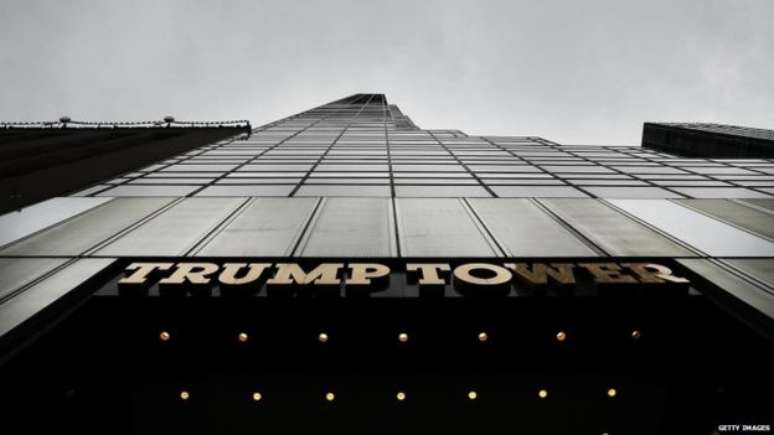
{"x":357,"y":178}
{"x":362,"y":146}
{"x":356,"y":182}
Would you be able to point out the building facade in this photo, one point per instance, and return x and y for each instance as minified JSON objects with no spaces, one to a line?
{"x":343,"y":270}
{"x":694,"y":139}
{"x":41,"y":160}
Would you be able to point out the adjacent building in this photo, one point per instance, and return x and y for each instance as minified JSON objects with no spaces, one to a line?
{"x":41,"y":160}
{"x":693,"y":139}
{"x":343,"y":270}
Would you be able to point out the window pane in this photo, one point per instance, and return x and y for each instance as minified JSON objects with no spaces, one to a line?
{"x":136,"y":190}
{"x":630,"y":192}
{"x":343,"y":190}
{"x":257,"y":190}
{"x":16,"y":272}
{"x":76,"y":236}
{"x":18,"y":224}
{"x":524,"y":230}
{"x":720,"y":192}
{"x":437,"y":227}
{"x":708,"y":235}
{"x":176,"y":230}
{"x":746,"y":217}
{"x":266,"y":226}
{"x":612,"y":231}
{"x":352,"y":227}
{"x":538,"y":191}
{"x":441,"y":191}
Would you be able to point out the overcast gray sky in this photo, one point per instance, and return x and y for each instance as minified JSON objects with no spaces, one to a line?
{"x":571,"y":71}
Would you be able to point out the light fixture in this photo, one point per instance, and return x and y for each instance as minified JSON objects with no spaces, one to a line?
{"x":185,"y":395}
{"x":636,"y":334}
{"x":401,"y":396}
{"x":483,"y":337}
{"x":543,"y":394}
{"x":403,"y":337}
{"x":330,"y":397}
{"x":472,"y":395}
{"x":164,"y":336}
{"x":561,"y":336}
{"x":242,"y":337}
{"x":257,"y":396}
{"x":611,"y":392}
{"x":322,"y":338}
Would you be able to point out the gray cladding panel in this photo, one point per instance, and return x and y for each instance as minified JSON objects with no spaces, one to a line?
{"x":29,"y":302}
{"x":524,"y":230}
{"x":767,"y":204}
{"x":760,"y":268}
{"x":174,"y":231}
{"x":16,"y":272}
{"x":612,"y":231}
{"x":18,"y":224}
{"x":266,"y":226}
{"x":713,"y":237}
{"x":76,"y":236}
{"x":438,"y":227}
{"x":749,"y":293}
{"x":745,"y":217}
{"x":351,"y":227}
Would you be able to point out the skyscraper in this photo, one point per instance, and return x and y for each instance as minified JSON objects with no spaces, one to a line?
{"x":344,"y":270}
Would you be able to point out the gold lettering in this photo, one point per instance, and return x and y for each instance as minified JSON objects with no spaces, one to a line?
{"x":363,"y":273}
{"x":429,"y":272}
{"x":608,"y":273}
{"x":142,"y":270}
{"x":501,"y":274}
{"x":559,"y":272}
{"x":291,"y":273}
{"x":654,"y":273}
{"x":230,"y":270}
{"x":191,"y":273}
